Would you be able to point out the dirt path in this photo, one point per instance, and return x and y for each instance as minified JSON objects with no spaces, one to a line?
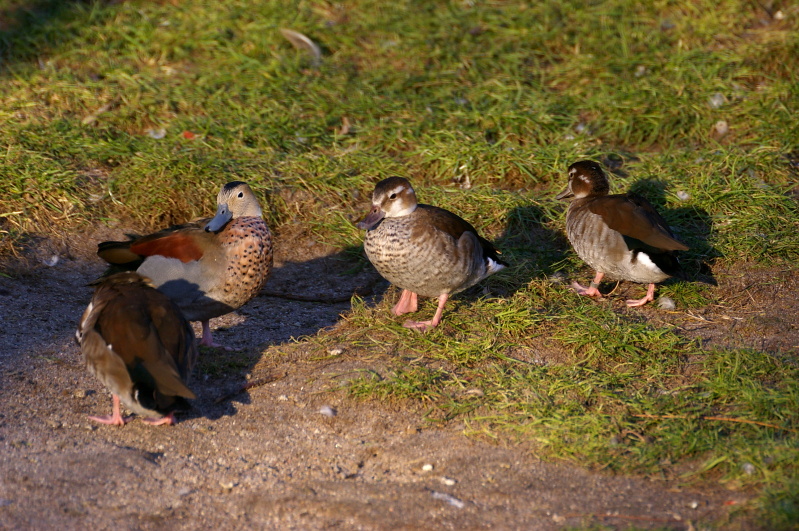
{"x":268,"y":457}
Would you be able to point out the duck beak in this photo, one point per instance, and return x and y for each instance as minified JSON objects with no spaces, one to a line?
{"x":372,"y":218}
{"x":221,"y":218}
{"x":564,"y":194}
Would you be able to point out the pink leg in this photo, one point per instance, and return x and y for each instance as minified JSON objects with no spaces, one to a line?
{"x":424,"y":326}
{"x":592,"y":290}
{"x":650,"y":296}
{"x":115,"y":418}
{"x":169,"y":420}
{"x":408,"y":302}
{"x":208,"y":338}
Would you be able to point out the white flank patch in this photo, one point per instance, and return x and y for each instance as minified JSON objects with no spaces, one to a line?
{"x":493,"y":266}
{"x":647,"y":262}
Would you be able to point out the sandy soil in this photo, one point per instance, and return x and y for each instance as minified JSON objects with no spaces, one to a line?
{"x":274,"y":455}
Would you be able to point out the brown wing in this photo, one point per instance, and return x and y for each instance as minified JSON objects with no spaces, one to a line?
{"x":633,"y":216}
{"x":184,"y":242}
{"x":455,"y":226}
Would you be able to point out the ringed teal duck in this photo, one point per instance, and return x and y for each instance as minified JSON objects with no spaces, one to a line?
{"x":136,"y":342}
{"x":422,"y":249}
{"x":619,"y":235}
{"x":209,"y":267}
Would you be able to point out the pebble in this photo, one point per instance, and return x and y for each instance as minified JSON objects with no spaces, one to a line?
{"x":157,"y":134}
{"x":427,"y":467}
{"x":683,"y":196}
{"x":748,"y":468}
{"x":447,"y":481}
{"x":722,"y":128}
{"x":328,"y":411}
{"x":335,"y":351}
{"x":79,"y":393}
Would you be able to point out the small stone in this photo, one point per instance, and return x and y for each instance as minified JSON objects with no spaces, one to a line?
{"x":694,"y":505}
{"x":666,"y":303}
{"x":227,"y":485}
{"x":328,"y":411}
{"x":447,"y":481}
{"x":282,"y":398}
{"x":748,"y":468}
{"x":640,"y":71}
{"x":335,"y":351}
{"x":79,"y":393}
{"x":779,"y":15}
{"x":157,"y":134}
{"x":721,"y":128}
{"x":427,"y":467}
{"x":683,"y":196}
{"x":53,"y":423}
{"x":52,"y":261}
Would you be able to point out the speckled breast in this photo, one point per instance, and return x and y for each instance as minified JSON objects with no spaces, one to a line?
{"x":247,"y":243}
{"x":421,"y":259}
{"x":605,"y":249}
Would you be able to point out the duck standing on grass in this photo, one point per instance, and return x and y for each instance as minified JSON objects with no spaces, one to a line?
{"x":136,"y":342}
{"x":620,"y":235}
{"x":209,"y":267}
{"x":422,"y":249}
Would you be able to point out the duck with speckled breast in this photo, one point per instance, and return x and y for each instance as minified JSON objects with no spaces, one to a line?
{"x":209,"y":267}
{"x":422,"y":249}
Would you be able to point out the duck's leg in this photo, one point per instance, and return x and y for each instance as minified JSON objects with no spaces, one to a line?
{"x":115,"y":418}
{"x":650,"y":296}
{"x":169,"y":420}
{"x":208,"y":338}
{"x":592,"y":290}
{"x":408,"y":302}
{"x":424,"y":326}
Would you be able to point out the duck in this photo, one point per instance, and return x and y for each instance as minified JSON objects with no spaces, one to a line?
{"x":620,"y":235}
{"x":424,"y":250}
{"x":135,"y":340}
{"x":209,"y":267}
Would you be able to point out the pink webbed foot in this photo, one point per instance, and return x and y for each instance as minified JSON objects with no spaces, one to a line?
{"x":419,"y":326}
{"x":424,"y":326}
{"x":407,"y":303}
{"x":208,"y":338}
{"x":115,"y":418}
{"x":650,"y":296}
{"x":592,"y":290}
{"x":168,"y":420}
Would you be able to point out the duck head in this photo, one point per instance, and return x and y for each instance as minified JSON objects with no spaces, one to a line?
{"x":393,"y":198}
{"x":586,"y":178}
{"x":235,"y":200}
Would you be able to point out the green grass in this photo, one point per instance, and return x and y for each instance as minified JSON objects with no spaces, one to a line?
{"x":483,"y":105}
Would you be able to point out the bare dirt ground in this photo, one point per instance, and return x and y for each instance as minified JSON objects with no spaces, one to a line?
{"x":267,"y":457}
